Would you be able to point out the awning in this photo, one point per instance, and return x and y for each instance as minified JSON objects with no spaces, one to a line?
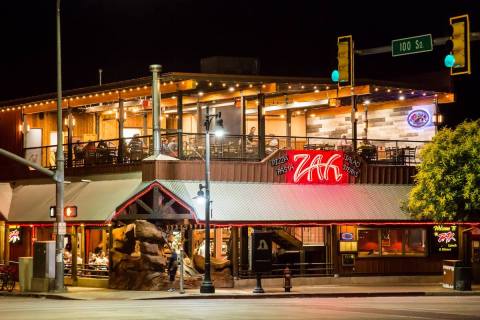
{"x":5,"y":200}
{"x":270,"y":203}
{"x":96,"y":198}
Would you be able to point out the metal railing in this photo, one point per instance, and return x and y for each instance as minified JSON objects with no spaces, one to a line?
{"x":228,"y":147}
{"x":298,"y":269}
{"x":88,"y":270}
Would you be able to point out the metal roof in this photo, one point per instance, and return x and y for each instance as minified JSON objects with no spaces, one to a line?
{"x":267,"y":203}
{"x":95,"y":200}
{"x":5,"y":200}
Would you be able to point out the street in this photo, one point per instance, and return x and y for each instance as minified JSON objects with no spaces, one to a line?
{"x":467,"y":307}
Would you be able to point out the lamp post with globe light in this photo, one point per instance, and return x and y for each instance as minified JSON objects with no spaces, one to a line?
{"x":207,"y":284}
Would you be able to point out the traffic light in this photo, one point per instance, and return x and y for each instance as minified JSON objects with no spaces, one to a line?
{"x":459,"y":44}
{"x":68,"y":212}
{"x":345,"y":61}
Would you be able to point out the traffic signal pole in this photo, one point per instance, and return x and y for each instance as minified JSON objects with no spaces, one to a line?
{"x":474,"y":36}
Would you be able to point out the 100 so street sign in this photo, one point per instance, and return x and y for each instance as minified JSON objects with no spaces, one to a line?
{"x":412,"y":45}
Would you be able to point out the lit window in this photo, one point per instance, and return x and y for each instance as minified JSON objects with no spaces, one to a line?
{"x":368,"y":242}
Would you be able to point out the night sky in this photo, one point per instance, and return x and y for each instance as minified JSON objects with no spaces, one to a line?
{"x":295,"y":38}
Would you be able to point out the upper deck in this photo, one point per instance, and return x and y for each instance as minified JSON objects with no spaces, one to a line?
{"x":391,"y":121}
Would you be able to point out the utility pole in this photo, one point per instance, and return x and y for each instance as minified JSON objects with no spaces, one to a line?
{"x":59,"y":225}
{"x":100,"y":76}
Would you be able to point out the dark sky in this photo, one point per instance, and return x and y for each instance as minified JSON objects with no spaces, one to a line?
{"x":289,"y":37}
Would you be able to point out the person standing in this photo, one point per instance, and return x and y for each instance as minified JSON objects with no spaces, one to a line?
{"x":172,"y":269}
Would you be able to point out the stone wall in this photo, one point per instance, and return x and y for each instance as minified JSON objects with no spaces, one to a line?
{"x":388,"y":124}
{"x":139,"y":260}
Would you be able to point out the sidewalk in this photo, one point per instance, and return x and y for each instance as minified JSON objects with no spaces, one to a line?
{"x":326,"y":291}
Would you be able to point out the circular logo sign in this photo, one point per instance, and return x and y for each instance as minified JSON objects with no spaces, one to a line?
{"x":418,"y":118}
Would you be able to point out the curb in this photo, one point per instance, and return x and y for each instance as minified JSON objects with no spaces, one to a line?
{"x":262,"y":296}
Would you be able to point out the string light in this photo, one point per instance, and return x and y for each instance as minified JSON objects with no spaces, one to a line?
{"x":401,"y":97}
{"x":237,"y":85}
{"x":328,"y":88}
{"x":376,"y":89}
{"x":389,"y":90}
{"x":231,"y":89}
{"x":424,"y":94}
{"x":210,"y":84}
{"x":250,"y":85}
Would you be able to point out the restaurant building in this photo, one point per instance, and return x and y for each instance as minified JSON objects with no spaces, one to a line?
{"x":293,"y":162}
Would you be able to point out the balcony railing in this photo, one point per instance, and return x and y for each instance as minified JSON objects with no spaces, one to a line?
{"x":229,"y":147}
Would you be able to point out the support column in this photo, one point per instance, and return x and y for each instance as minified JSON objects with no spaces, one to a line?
{"x":110,"y":246}
{"x":82,"y":244}
{"x":121,"y":120}
{"x":73,"y":236}
{"x":261,"y":125}
{"x":234,"y":262}
{"x":199,"y":117}
{"x":180,"y":125}
{"x":243,"y":249}
{"x":145,"y":133}
{"x":218,"y":242}
{"x":7,"y":246}
{"x":243,"y":125}
{"x":70,"y":138}
{"x":2,"y":242}
{"x":354,"y":122}
{"x":97,"y":125}
{"x":289,"y":128}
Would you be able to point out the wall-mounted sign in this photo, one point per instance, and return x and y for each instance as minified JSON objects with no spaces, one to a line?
{"x":346,"y":236}
{"x":446,"y":238}
{"x":14,"y":235}
{"x":281,"y":164}
{"x":68,"y":212}
{"x":351,"y":164}
{"x":418,"y":118}
{"x":316,"y":167}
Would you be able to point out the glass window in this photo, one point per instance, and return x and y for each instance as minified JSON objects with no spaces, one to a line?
{"x":368,"y":242}
{"x":415,"y":242}
{"x":392,"y":242}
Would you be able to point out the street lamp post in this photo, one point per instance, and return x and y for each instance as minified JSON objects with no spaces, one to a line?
{"x":207,"y":285}
{"x":60,"y":224}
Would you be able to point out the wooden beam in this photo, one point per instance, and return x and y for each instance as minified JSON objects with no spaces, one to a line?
{"x":144,"y":206}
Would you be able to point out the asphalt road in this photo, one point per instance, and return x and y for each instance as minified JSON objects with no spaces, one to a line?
{"x":256,"y":309}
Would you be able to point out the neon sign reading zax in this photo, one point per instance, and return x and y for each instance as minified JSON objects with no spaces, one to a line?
{"x":310,"y":167}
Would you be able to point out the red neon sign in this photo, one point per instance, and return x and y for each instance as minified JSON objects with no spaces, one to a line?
{"x":316,"y":167}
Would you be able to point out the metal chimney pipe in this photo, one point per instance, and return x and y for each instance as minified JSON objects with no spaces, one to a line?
{"x":155,"y":69}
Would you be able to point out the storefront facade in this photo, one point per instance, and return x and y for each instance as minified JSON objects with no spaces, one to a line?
{"x":291,"y":163}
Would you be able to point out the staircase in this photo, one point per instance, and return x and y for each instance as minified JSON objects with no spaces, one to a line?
{"x":286,"y":240}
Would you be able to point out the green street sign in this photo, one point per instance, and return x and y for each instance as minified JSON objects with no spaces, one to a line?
{"x":412,"y":45}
